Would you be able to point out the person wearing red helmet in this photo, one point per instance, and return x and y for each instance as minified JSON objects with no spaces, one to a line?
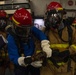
{"x":54,"y":14}
{"x":74,"y":22}
{"x":21,"y":45}
{"x":3,"y":20}
{"x":62,"y":38}
{"x":4,"y":59}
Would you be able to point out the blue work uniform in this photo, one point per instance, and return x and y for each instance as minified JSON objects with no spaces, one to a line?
{"x":28,"y":49}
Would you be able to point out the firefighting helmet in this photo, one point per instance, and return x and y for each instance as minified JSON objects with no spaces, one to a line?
{"x":3,"y":19}
{"x":54,"y":5}
{"x":22,"y":22}
{"x":54,"y":15}
{"x":22,"y":17}
{"x":74,"y":22}
{"x":3,"y":14}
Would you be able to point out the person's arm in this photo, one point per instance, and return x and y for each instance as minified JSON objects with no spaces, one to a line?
{"x":72,"y":47}
{"x":12,"y":50}
{"x":38,"y":33}
{"x":45,"y":44}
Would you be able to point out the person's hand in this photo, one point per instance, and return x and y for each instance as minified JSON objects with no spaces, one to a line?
{"x":46,"y":47}
{"x":37,"y":64}
{"x":24,"y":61}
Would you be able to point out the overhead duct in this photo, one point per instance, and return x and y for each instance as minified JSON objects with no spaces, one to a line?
{"x":10,"y":6}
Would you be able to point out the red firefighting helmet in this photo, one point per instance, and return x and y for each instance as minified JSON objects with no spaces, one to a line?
{"x":54,"y":15}
{"x":74,"y":22}
{"x":3,"y":20}
{"x":22,"y":17}
{"x":54,"y":5}
{"x":3,"y":14}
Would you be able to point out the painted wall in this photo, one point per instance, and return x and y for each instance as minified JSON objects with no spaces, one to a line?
{"x":39,"y":6}
{"x":67,"y":6}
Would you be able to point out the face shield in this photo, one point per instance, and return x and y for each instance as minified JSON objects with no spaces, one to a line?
{"x":55,"y":19}
{"x":22,"y":31}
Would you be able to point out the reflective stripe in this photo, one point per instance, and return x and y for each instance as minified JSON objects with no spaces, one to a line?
{"x":74,"y":46}
{"x":38,"y":51}
{"x":59,"y":8}
{"x":59,"y":63}
{"x":64,"y":46}
{"x":59,"y":45}
{"x":15,"y":21}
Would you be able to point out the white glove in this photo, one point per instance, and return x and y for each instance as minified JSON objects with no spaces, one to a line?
{"x":37,"y":64}
{"x":46,"y":47}
{"x":21,"y":61}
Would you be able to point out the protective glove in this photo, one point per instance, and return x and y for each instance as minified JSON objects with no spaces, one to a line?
{"x":24,"y":61}
{"x":46,"y":48}
{"x":37,"y":64}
